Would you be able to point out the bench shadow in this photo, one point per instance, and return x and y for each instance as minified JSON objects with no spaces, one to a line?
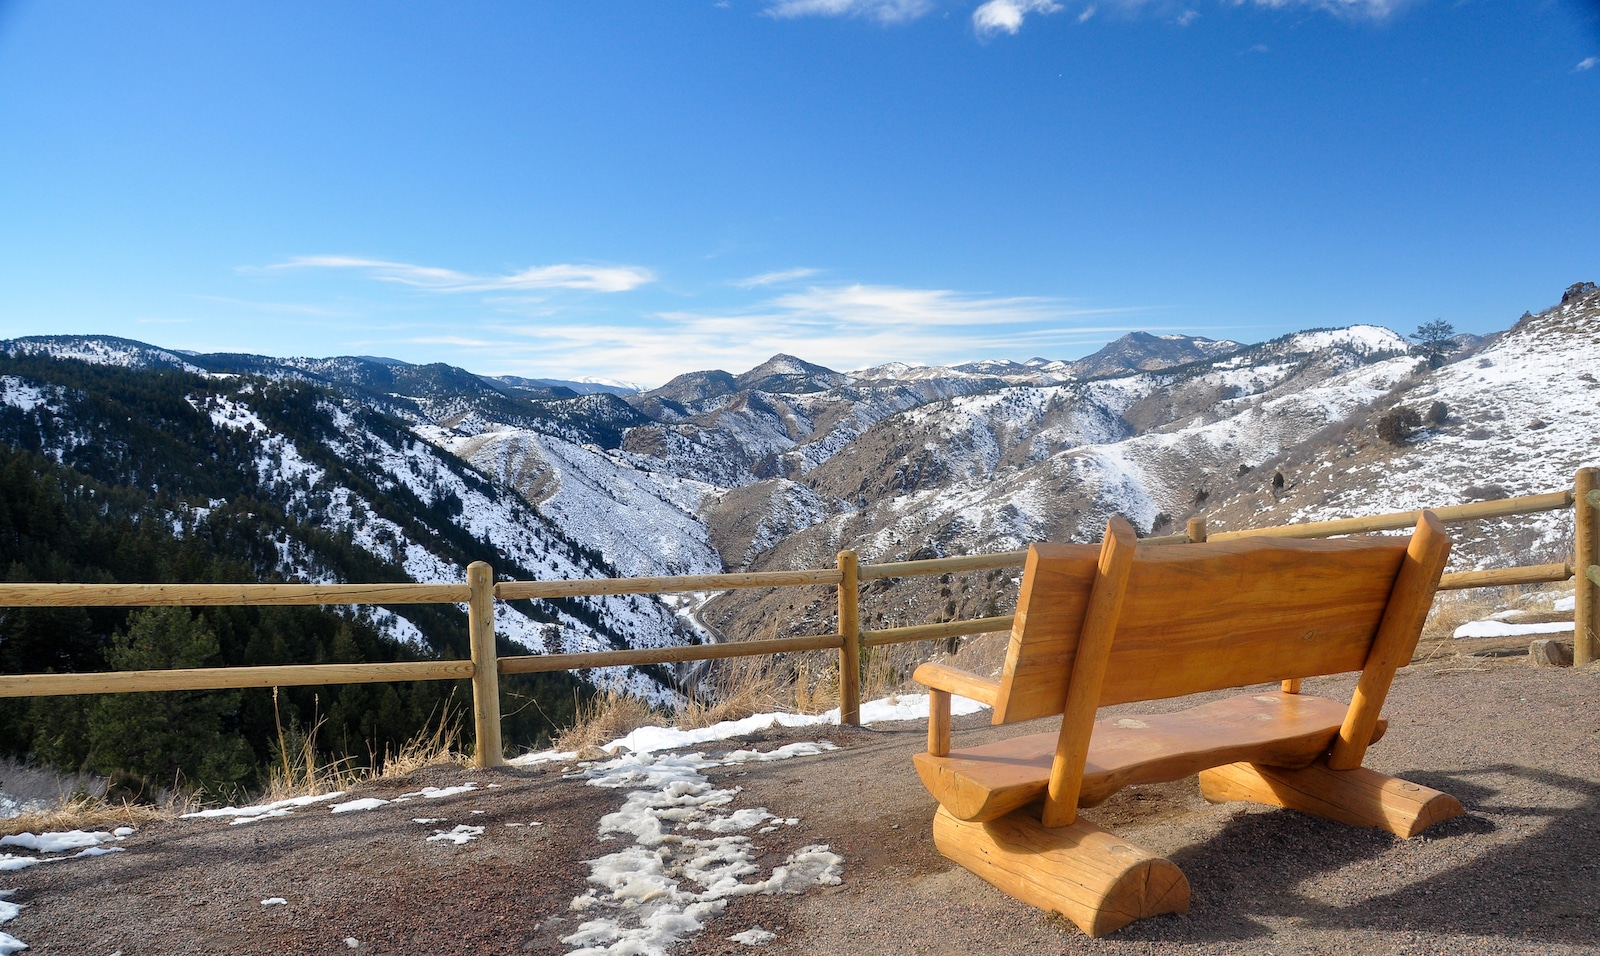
{"x":1282,"y":865}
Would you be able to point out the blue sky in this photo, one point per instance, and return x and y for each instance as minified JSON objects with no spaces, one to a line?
{"x":636,"y":189}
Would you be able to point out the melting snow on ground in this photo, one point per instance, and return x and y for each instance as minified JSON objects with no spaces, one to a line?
{"x":1502,"y":629}
{"x":652,"y":739}
{"x":670,"y":880}
{"x":86,"y":842}
{"x":689,"y":853}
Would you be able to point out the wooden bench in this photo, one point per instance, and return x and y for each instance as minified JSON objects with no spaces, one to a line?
{"x":1121,"y":623}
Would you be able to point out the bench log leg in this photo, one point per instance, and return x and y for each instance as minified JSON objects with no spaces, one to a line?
{"x":1359,"y":797}
{"x":1086,"y":874}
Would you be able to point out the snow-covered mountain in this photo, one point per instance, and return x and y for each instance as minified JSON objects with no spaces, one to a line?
{"x":785,"y":464}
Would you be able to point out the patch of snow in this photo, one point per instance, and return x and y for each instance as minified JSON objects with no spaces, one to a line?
{"x":280,"y":808}
{"x":460,"y":836}
{"x":20,"y":394}
{"x":365,"y":803}
{"x":274,"y":901}
{"x":651,"y":739}
{"x":439,"y":793}
{"x":1502,"y":629}
{"x":57,"y":842}
{"x":754,"y":936}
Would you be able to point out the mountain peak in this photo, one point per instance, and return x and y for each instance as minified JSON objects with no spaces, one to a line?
{"x":788,"y":374}
{"x":1143,"y":352}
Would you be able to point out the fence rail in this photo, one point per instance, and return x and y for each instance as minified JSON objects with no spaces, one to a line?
{"x":480,"y":592}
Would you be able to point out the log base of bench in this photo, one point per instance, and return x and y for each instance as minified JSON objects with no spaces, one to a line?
{"x":1359,"y":797}
{"x":1089,"y":875}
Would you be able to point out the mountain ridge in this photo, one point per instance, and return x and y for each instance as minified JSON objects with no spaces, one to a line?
{"x":785,"y":464}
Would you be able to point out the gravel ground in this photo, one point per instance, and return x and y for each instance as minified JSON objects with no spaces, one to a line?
{"x":1520,"y":873}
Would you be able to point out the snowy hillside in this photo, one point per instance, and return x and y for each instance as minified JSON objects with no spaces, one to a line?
{"x":784,"y":464}
{"x":1520,"y":416}
{"x":342,"y":477}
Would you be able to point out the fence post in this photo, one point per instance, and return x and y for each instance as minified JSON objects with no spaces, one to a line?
{"x":1196,"y":530}
{"x":1586,"y":591}
{"x":850,"y":630}
{"x":485,"y":667}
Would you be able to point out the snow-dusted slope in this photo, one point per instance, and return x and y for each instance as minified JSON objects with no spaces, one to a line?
{"x":1522,"y":414}
{"x":789,"y":462}
{"x":645,"y":523}
{"x":343,"y":477}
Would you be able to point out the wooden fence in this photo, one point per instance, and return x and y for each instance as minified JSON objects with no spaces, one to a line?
{"x":480,"y":592}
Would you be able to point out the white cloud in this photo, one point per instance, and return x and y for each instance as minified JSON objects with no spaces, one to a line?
{"x":434,"y":279}
{"x":1005,"y":16}
{"x":774,"y":278}
{"x":883,"y":11}
{"x":1373,"y":9}
{"x":1587,"y":63}
{"x":884,"y":306}
{"x":843,"y":327}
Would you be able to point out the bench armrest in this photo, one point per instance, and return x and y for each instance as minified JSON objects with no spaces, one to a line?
{"x":959,"y":682}
{"x":941,"y":682}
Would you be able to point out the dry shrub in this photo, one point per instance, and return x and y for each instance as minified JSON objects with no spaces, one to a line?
{"x":1451,"y":609}
{"x":738,"y":687}
{"x":604,"y":719}
{"x":90,"y":813}
{"x":297,"y":770}
{"x":441,"y":745}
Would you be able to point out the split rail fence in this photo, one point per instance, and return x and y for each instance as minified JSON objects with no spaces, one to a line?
{"x":480,"y":591}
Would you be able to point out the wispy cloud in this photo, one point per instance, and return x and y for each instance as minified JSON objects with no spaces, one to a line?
{"x":1588,"y":63}
{"x":435,"y":279}
{"x":774,"y":278}
{"x":844,"y":327}
{"x":880,"y":306}
{"x":1005,"y":16}
{"x":883,"y":11}
{"x":1367,"y":9}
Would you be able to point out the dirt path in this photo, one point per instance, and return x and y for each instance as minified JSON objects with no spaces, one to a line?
{"x":1520,"y":873}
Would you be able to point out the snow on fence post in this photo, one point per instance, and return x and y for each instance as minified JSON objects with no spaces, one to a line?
{"x":485,"y":669}
{"x":850,"y":630}
{"x":1586,"y":603}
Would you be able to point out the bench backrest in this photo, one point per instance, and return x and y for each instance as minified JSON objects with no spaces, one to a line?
{"x":1201,"y":617}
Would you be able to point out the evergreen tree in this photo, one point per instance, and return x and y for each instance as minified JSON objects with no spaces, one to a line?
{"x":1435,"y":341}
{"x":188,"y":737}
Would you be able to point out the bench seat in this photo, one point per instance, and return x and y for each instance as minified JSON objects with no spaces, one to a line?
{"x":1270,"y":728}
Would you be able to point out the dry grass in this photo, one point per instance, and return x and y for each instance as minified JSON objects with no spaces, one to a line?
{"x":739,"y":687}
{"x":297,"y":772}
{"x":89,"y":813}
{"x":604,"y":719}
{"x":1451,"y":609}
{"x":441,"y":745}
